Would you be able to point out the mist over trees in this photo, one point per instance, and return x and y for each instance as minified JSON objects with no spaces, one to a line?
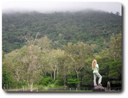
{"x":55,"y":50}
{"x":86,"y":26}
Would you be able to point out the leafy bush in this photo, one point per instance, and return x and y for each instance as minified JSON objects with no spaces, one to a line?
{"x":45,"y":81}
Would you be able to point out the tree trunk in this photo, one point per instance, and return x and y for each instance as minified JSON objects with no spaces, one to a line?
{"x":78,"y":84}
{"x":57,"y":72}
{"x":54,"y":74}
{"x":22,"y":88}
{"x":64,"y":78}
{"x":65,"y":86}
{"x":31,"y":87}
{"x":51,"y":74}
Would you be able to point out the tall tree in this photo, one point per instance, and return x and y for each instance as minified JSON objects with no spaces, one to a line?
{"x":78,"y":53}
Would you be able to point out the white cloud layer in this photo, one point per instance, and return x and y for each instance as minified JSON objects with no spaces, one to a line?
{"x":47,"y":6}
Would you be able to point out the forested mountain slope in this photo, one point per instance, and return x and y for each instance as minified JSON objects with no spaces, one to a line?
{"x":53,"y":51}
{"x":93,"y":27}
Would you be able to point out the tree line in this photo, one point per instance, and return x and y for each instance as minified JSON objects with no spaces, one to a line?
{"x":38,"y":64}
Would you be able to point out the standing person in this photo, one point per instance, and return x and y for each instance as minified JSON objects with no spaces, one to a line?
{"x":95,"y":68}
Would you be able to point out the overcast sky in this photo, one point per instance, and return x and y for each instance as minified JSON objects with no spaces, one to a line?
{"x":36,"y":5}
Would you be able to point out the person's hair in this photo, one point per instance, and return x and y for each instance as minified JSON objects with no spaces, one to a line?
{"x":94,"y":62}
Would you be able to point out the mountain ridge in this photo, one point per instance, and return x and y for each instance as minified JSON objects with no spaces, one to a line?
{"x":86,"y":26}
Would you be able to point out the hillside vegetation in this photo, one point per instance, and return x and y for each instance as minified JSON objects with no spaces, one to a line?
{"x":55,"y":50}
{"x":86,"y":26}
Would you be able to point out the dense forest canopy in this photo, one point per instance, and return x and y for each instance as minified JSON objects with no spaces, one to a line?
{"x":61,"y":27}
{"x":55,"y":50}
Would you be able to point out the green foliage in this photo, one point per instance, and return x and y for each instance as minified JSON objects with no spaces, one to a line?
{"x":7,"y":79}
{"x":73,"y":81}
{"x":48,"y":67}
{"x":45,"y":81}
{"x":63,"y":56}
{"x":85,"y":26}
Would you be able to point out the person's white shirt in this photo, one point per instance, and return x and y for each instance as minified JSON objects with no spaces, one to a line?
{"x":96,"y":69}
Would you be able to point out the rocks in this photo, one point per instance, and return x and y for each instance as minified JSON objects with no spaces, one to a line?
{"x":99,"y":88}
